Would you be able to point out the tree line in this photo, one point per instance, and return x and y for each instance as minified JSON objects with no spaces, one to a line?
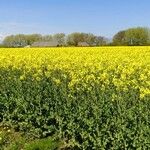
{"x":139,"y":36}
{"x":132,"y":37}
{"x":73,"y":39}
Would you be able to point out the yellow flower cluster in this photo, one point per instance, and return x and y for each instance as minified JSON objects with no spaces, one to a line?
{"x":116,"y":68}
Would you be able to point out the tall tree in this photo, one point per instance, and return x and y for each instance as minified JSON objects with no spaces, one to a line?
{"x":119,"y":38}
{"x":33,"y":38}
{"x":90,"y":39}
{"x":101,"y":41}
{"x":15,"y":41}
{"x":137,"y":36}
{"x":60,"y":38}
{"x":74,"y":38}
{"x":21,"y":40}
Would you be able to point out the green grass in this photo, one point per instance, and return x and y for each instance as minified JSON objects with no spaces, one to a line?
{"x":11,"y":140}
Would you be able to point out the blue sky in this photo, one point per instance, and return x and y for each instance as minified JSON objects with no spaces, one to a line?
{"x":101,"y":17}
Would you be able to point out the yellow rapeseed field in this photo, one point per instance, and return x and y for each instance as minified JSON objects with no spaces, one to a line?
{"x":122,"y":67}
{"x":89,"y":98}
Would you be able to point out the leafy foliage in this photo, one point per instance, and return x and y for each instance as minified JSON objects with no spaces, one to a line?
{"x":91,"y":98}
{"x":139,"y":36}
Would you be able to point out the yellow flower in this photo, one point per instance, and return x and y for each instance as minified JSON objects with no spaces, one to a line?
{"x":22,"y":77}
{"x":57,"y":81}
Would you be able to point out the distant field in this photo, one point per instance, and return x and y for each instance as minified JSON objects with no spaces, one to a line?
{"x":90,"y":98}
